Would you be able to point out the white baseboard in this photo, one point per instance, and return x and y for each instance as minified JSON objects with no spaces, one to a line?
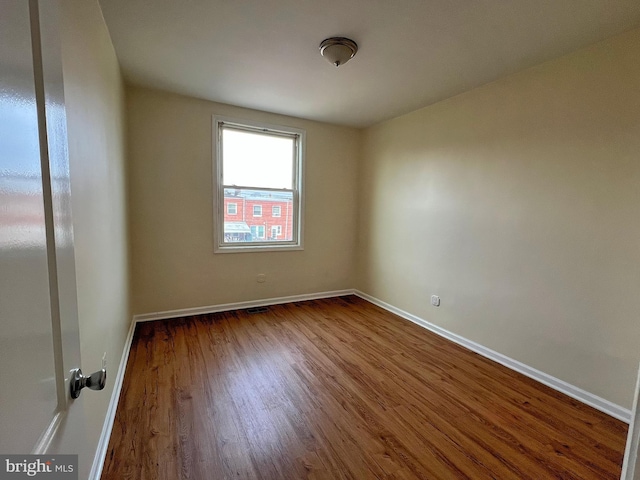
{"x":583,"y":396}
{"x":225,"y":307}
{"x":103,"y":442}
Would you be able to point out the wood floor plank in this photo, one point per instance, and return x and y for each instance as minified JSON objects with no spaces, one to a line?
{"x":340,"y":389}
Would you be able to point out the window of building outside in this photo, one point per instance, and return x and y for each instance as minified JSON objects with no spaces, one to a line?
{"x":259,"y":186}
{"x":257,"y":231}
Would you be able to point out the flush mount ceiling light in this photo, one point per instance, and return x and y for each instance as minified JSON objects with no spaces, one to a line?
{"x":338,"y":50}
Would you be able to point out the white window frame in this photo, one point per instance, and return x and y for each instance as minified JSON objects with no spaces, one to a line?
{"x":235,"y":207}
{"x":296,"y":243}
{"x":273,"y":211}
{"x":253,"y":211}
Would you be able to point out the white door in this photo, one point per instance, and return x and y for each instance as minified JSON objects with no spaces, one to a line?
{"x":39,"y":340}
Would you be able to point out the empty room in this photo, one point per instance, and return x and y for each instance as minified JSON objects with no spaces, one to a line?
{"x":287,"y":239}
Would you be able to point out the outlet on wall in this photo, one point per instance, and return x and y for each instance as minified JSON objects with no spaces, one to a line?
{"x":435,"y":300}
{"x":261,"y":278}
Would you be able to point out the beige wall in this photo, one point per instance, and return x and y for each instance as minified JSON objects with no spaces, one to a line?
{"x":519,"y":204}
{"x":94,"y":97}
{"x":171,"y":209}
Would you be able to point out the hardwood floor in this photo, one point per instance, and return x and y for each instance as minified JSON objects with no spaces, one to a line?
{"x":339,"y":388}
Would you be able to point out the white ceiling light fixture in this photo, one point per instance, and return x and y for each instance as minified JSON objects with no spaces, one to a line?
{"x":338,"y":50}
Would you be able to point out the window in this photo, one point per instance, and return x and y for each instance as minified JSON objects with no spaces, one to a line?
{"x":257,"y":165}
{"x":257,"y":231}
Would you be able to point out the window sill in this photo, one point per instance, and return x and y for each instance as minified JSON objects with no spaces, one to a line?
{"x":257,"y":248}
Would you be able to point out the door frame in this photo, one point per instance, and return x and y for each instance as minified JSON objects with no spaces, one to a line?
{"x":632,"y":447}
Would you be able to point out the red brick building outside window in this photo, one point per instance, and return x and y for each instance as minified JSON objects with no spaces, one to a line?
{"x":258,"y":217}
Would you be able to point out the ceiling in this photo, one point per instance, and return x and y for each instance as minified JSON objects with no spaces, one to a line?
{"x":263,"y":54}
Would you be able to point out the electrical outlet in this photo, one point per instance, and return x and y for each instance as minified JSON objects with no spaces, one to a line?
{"x":435,"y":300}
{"x":261,"y":278}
